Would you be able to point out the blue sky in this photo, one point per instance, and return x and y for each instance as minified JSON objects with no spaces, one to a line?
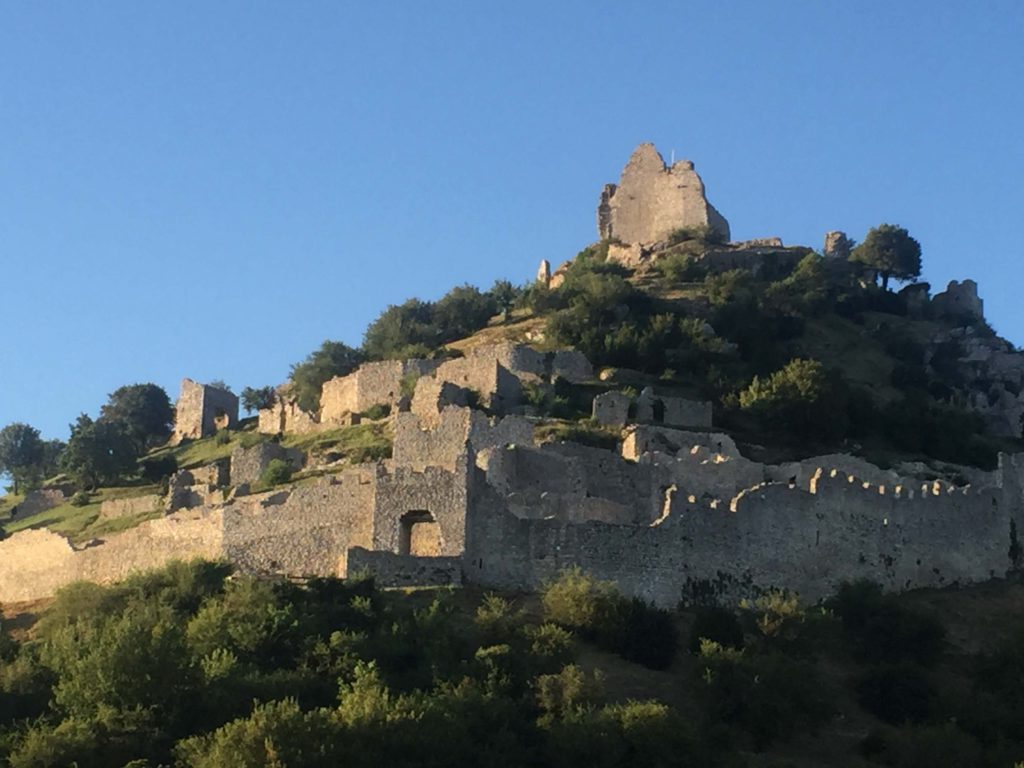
{"x":212,"y":189}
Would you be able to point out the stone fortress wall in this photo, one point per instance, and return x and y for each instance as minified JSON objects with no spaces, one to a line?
{"x":670,"y":513}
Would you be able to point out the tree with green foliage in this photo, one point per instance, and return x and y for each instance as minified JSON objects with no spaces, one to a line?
{"x":258,"y":398}
{"x":333,"y":358}
{"x":801,"y":398}
{"x":22,"y":454}
{"x":144,"y":413}
{"x":891,"y":252}
{"x":505,"y":296}
{"x":401,"y":330}
{"x":416,"y":328}
{"x":462,"y":311}
{"x":98,"y":453}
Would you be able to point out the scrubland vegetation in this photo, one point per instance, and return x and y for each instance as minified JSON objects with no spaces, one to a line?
{"x":194,"y":666}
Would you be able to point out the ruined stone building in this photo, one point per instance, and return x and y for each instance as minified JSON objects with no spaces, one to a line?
{"x":201,"y":410}
{"x":652,"y":200}
{"x":470,"y":498}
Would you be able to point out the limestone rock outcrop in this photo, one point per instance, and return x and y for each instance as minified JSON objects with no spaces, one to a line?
{"x":652,"y":200}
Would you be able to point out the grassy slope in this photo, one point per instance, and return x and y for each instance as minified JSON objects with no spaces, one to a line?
{"x":83,"y":523}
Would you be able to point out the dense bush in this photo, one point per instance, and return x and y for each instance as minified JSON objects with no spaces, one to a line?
{"x":278,"y":471}
{"x":417,"y":328}
{"x":333,"y":358}
{"x":897,"y":693}
{"x":767,"y":697}
{"x":157,"y":468}
{"x":634,"y":629}
{"x":882,"y":630}
{"x":717,"y":624}
{"x":802,"y":398}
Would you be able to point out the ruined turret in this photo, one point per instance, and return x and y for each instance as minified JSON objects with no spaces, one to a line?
{"x":652,"y":200}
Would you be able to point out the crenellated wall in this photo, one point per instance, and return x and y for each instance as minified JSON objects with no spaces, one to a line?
{"x":774,"y":535}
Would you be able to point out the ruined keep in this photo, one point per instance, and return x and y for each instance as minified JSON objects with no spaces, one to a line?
{"x":652,"y":200}
{"x":201,"y":410}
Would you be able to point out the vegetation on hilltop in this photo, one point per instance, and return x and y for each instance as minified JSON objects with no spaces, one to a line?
{"x":802,"y":354}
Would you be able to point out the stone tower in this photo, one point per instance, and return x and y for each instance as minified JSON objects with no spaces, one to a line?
{"x":201,"y":410}
{"x":652,"y":200}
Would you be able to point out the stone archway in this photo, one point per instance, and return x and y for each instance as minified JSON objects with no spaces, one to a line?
{"x":419,"y":534}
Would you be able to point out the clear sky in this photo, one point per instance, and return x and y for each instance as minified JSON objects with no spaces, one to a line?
{"x":213,"y":189}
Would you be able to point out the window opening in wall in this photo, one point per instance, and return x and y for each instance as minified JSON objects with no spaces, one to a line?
{"x":419,"y":534}
{"x":220,"y":418}
{"x":658,"y":411}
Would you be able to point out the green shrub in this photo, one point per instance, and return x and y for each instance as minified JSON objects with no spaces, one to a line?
{"x":645,"y":634}
{"x":882,"y":630}
{"x":80,"y":499}
{"x":715,"y":623}
{"x":378,"y":411}
{"x":769,"y":697}
{"x":681,"y":268}
{"x":278,"y":471}
{"x":223,"y":437}
{"x":637,"y":631}
{"x":577,"y":600}
{"x":924,"y":746}
{"x":897,"y":693}
{"x":702,"y":233}
{"x":156,"y":469}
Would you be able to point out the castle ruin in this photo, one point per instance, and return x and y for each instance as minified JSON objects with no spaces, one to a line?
{"x":201,"y":410}
{"x":652,"y":200}
{"x":669,"y":514}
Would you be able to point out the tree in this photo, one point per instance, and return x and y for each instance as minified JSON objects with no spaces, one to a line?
{"x":143,"y":412}
{"x":334,"y":358}
{"x":891,"y":252}
{"x":401,"y":330}
{"x":801,"y":398}
{"x":462,"y":311}
{"x":22,"y":454}
{"x":99,"y":452}
{"x":505,"y":296}
{"x":258,"y":398}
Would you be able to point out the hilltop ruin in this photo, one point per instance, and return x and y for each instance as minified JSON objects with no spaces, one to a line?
{"x":669,"y":514}
{"x":652,"y":200}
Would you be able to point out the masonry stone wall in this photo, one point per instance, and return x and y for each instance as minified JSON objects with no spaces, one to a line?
{"x":612,"y":408}
{"x":131,"y":506}
{"x":391,"y":570}
{"x":770,"y":536}
{"x":703,"y":473}
{"x":249,"y":464}
{"x":285,"y":415}
{"x":201,"y":410}
{"x":959,"y":298}
{"x":642,"y":439}
{"x":378,"y":383}
{"x":444,"y":441}
{"x":573,"y":482}
{"x":498,"y":388}
{"x":304,"y":531}
{"x":39,"y":501}
{"x":652,"y":200}
{"x":404,"y":495}
{"x":36,"y":563}
{"x":433,"y":395}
